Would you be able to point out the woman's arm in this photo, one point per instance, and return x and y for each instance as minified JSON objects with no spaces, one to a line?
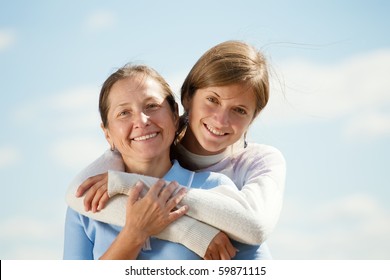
{"x":261,"y":173}
{"x":77,"y":245}
{"x":251,"y":205}
{"x":193,"y":234}
{"x":221,"y":207}
{"x":197,"y":237}
{"x":248,"y":215}
{"x":145,"y":217}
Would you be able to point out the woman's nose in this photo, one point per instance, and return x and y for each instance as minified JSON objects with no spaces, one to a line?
{"x":141,"y":120}
{"x":222,"y":116}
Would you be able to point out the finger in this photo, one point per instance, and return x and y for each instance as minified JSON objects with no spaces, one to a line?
{"x":168,"y":190}
{"x":175,"y":200}
{"x":232,"y":251}
{"x":87,"y":184}
{"x":156,"y":188}
{"x":214,"y":256}
{"x":174,"y":215}
{"x":212,"y":252}
{"x":135,"y":192}
{"x":223,"y":253}
{"x":89,"y":196}
{"x":96,"y":199}
{"x":103,"y":201}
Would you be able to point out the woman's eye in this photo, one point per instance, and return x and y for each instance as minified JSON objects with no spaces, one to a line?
{"x":152,"y":106}
{"x":123,"y":113}
{"x":241,"y":111}
{"x":212,"y":100}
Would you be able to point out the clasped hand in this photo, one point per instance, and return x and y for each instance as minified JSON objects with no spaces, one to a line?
{"x":152,"y":213}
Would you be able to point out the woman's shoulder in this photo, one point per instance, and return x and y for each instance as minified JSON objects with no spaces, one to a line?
{"x":258,"y":159}
{"x":259,"y":152}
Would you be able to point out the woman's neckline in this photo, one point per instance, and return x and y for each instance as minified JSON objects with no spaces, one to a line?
{"x":199,"y":161}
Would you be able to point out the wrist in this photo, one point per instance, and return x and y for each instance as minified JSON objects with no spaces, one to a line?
{"x":135,"y":236}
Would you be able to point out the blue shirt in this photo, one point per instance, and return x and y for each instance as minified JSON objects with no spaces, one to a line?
{"x":86,"y":238}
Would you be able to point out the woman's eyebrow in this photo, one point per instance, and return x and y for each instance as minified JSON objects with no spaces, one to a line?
{"x":211,"y":91}
{"x":239,"y":105}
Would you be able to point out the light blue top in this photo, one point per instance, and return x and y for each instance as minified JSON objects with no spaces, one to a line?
{"x":86,"y":238}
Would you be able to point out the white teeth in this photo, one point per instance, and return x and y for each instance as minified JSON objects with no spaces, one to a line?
{"x":145,"y":137}
{"x":214,"y":131}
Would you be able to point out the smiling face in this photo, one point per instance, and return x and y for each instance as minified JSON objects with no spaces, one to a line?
{"x":218,"y":117}
{"x":140,"y":122}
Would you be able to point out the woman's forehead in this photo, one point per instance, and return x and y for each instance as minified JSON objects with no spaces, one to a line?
{"x":135,"y":85}
{"x":234,"y":92}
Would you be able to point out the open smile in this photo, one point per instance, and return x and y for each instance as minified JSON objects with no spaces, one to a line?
{"x":145,"y":137}
{"x":214,"y":130}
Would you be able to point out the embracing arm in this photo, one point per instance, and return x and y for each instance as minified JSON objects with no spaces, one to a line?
{"x":193,"y":234}
{"x":221,"y":207}
{"x":247,"y":215}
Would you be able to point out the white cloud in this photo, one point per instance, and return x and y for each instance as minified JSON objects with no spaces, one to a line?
{"x":75,"y":98}
{"x":31,"y":238}
{"x":368,"y":126}
{"x":70,"y":110}
{"x":100,"y":20}
{"x":7,"y":39}
{"x":72,"y":121}
{"x":9,"y":156}
{"x":16,"y":227}
{"x":351,"y":227}
{"x":77,"y":152}
{"x":309,"y":91}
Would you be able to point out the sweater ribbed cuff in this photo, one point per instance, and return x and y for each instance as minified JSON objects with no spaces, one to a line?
{"x":191,"y":233}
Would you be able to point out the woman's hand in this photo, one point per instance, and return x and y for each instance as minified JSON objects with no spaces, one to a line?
{"x":157,"y":209}
{"x":97,"y":192}
{"x":220,"y":248}
{"x":145,"y":217}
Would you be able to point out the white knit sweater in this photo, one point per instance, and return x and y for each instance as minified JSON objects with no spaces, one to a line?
{"x":247,"y":215}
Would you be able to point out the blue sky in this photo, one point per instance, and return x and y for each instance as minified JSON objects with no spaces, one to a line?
{"x":329,"y":111}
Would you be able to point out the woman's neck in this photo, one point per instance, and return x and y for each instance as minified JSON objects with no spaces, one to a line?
{"x":154,"y":167}
{"x":191,"y":144}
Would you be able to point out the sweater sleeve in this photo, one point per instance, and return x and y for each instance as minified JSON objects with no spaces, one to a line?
{"x":191,"y":233}
{"x":248,"y":215}
{"x":108,"y":160}
{"x":221,"y":207}
{"x":187,"y":231}
{"x":263,"y":186}
{"x":259,"y":173}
